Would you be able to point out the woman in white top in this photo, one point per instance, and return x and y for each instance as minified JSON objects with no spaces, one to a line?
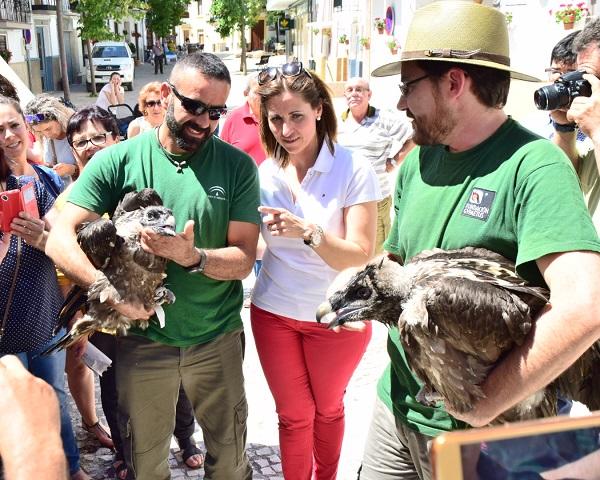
{"x":150,"y":105}
{"x":112,"y":93}
{"x":319,"y":216}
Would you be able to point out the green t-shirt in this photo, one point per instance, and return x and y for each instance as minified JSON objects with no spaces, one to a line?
{"x":515,"y":194}
{"x":219,"y":185}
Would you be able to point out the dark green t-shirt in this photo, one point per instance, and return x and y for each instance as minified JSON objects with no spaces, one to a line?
{"x":219,"y":185}
{"x":515,"y":194}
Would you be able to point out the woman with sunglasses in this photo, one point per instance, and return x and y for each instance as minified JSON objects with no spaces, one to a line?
{"x":47,"y":118}
{"x":319,"y":215}
{"x":30,"y":297}
{"x":150,"y":105}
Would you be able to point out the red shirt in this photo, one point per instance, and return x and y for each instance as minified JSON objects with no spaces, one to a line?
{"x":242,"y":131}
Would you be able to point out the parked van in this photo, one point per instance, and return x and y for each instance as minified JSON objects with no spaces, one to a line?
{"x":111,"y":57}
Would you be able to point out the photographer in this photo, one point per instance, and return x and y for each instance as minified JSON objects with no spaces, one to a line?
{"x":584,"y":113}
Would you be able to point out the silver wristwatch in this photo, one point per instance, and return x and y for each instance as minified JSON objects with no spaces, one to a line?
{"x":315,"y":238}
{"x":199,"y":266}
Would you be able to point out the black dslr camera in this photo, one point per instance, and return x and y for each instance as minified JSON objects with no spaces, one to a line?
{"x":562,"y":92}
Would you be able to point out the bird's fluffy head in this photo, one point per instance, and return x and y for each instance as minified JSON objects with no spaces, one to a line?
{"x":159,"y":218}
{"x":374,"y":293}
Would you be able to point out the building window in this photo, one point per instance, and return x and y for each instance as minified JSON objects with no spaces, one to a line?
{"x":3,"y":42}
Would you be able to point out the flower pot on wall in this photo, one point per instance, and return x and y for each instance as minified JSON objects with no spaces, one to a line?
{"x":568,"y":25}
{"x":380,"y":30}
{"x":394,"y":51}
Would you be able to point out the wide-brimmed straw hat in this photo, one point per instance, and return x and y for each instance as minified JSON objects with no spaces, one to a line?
{"x":459,"y":32}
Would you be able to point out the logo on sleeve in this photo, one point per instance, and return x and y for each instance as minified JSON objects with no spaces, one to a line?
{"x":479,"y":204}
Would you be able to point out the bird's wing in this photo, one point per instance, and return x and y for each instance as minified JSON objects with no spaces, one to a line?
{"x":581,"y":380}
{"x":476,"y":317}
{"x":75,"y":300}
{"x":98,"y":240}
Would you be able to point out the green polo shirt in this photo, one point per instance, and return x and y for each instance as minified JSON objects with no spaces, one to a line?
{"x":219,"y":185}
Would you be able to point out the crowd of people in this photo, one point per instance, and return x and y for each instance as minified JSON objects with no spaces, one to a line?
{"x":300,"y":194}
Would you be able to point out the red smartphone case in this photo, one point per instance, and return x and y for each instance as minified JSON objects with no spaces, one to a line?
{"x":14,"y":201}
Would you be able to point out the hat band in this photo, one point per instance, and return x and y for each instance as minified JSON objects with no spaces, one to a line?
{"x":458,"y":54}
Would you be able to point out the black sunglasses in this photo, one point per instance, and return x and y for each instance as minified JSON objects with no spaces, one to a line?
{"x":153,"y":103}
{"x":291,"y":69}
{"x":196,"y":107}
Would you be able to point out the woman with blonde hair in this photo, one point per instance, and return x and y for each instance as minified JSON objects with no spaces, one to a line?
{"x":47,"y":118}
{"x":151,"y":107}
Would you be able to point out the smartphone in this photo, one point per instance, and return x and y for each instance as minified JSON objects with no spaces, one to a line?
{"x":14,"y":201}
{"x":550,"y":448}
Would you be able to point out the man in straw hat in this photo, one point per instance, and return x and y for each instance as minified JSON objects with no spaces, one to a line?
{"x":477,"y":178}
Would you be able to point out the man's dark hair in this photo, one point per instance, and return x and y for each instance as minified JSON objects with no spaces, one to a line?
{"x":92,"y":114}
{"x":490,"y":85}
{"x":563,"y":52}
{"x":8,"y":89}
{"x":207,"y":64}
{"x":590,"y":35}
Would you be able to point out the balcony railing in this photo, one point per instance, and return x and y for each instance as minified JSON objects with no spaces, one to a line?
{"x":15,"y":11}
{"x":49,"y":5}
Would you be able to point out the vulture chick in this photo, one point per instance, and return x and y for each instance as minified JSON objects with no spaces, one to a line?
{"x":129,"y":273}
{"x":458,"y":313}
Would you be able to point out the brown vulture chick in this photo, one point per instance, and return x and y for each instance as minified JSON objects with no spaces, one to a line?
{"x":458,"y":313}
{"x":129,"y":273}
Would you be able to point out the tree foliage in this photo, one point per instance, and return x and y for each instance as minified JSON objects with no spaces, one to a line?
{"x":230,"y":15}
{"x":235,"y":15}
{"x":95,"y":14}
{"x":164,"y":15}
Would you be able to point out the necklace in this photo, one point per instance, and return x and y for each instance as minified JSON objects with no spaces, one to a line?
{"x":179,"y":164}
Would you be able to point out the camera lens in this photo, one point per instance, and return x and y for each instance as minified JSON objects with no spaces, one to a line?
{"x":552,"y":97}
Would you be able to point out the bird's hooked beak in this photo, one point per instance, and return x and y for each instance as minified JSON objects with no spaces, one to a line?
{"x":326,"y":314}
{"x":167,"y":228}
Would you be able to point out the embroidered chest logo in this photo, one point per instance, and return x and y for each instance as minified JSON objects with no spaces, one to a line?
{"x":479,"y":204}
{"x":217,"y":193}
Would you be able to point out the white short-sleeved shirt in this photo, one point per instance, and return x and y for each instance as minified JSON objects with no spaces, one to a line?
{"x":102,"y":101}
{"x":377,"y":137}
{"x":293,"y":279}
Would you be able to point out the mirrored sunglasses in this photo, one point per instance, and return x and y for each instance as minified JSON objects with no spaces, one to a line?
{"x":196,"y":107}
{"x":38,"y":118}
{"x":288,"y":70}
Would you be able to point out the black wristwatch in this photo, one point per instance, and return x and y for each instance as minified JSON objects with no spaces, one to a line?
{"x":564,"y":127}
{"x":197,"y":267}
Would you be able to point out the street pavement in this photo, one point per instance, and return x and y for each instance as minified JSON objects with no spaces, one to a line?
{"x":262,"y":445}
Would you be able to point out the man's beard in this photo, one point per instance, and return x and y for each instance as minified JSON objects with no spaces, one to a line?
{"x":177,"y":130}
{"x":434,"y":128}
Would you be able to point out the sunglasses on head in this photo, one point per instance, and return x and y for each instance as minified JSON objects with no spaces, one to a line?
{"x":196,"y":107}
{"x":38,"y":118}
{"x":288,"y":70}
{"x":153,"y":103}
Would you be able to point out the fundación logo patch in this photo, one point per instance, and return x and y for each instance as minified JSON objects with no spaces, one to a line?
{"x":217,"y":193}
{"x":479,"y":204}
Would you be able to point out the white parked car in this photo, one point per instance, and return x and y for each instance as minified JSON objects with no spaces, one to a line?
{"x":109,"y":57}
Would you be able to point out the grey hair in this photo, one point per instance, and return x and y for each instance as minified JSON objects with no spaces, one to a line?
{"x":251,"y":82}
{"x":51,"y":107}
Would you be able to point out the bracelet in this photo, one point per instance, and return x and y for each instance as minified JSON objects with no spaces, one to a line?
{"x":564,"y":127}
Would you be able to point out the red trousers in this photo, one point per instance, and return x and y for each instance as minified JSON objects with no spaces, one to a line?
{"x":307,"y":368}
